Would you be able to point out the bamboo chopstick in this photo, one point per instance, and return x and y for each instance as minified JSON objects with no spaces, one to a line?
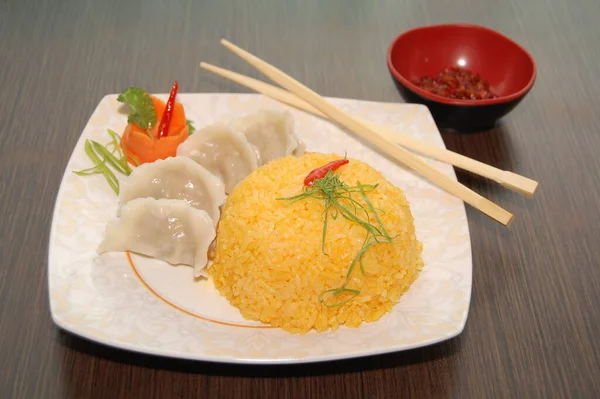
{"x":508,"y":179}
{"x":484,"y":205}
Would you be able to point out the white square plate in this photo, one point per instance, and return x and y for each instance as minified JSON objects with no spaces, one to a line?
{"x":152,"y":307}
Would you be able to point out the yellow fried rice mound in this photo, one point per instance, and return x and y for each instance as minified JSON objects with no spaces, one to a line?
{"x":269,"y":261}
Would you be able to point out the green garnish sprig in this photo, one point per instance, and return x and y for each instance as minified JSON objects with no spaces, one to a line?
{"x":141,"y":108}
{"x":104,"y":157}
{"x":338,"y":200}
{"x":191,"y":128}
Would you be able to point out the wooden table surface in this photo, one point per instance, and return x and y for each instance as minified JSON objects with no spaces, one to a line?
{"x":534,"y":320}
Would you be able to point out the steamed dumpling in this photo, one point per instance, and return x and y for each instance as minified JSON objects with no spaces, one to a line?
{"x":270,"y":132}
{"x":165,"y":229}
{"x":175,"y":178}
{"x":223,"y":152}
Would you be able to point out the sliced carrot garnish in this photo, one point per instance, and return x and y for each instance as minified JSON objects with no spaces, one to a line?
{"x":159,"y":106}
{"x":141,"y":148}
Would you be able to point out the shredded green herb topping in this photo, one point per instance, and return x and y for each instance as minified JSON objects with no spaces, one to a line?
{"x":338,"y":199}
{"x":104,"y":157}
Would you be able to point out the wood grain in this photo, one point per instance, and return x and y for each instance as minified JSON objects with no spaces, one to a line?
{"x":534,"y":320}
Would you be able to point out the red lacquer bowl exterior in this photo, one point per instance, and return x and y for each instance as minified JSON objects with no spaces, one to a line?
{"x":425,"y":51}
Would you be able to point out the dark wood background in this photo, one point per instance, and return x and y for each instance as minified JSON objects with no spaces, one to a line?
{"x":533,"y":328}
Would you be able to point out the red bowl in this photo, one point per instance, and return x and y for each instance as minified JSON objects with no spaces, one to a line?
{"x":426,"y":51}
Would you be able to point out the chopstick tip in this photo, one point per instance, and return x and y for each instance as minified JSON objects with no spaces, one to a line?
{"x":534,"y":188}
{"x":519,"y":183}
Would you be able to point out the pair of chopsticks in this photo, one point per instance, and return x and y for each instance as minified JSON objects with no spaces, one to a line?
{"x":386,"y":140}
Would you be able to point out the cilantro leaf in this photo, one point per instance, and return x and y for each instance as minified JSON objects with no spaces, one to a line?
{"x":191,"y":128}
{"x":141,"y":108}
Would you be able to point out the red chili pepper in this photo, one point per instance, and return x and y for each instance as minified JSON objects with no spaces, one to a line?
{"x":320,"y":172}
{"x":163,"y":128}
